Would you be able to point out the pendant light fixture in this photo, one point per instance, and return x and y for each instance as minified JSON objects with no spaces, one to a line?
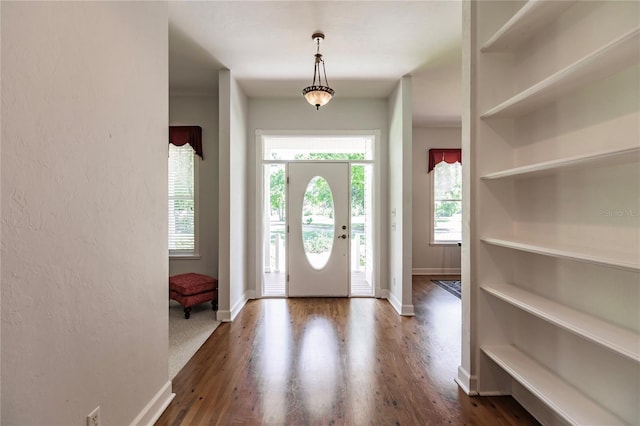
{"x":318,"y":94}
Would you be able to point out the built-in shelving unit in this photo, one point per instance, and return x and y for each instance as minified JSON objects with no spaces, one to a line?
{"x":524,"y":23}
{"x":610,"y":157}
{"x":631,"y":263}
{"x":610,"y":336}
{"x":599,"y":64}
{"x":563,"y":322}
{"x":573,"y":406}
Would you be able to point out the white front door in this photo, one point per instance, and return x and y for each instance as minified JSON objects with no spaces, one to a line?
{"x":318,"y":223}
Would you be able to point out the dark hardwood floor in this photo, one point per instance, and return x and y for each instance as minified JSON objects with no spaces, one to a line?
{"x":335,"y":362}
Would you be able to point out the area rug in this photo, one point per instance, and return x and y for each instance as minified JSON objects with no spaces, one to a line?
{"x":186,"y":336}
{"x":453,"y":287}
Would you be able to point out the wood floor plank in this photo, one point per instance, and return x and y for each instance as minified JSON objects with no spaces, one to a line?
{"x":335,"y":362}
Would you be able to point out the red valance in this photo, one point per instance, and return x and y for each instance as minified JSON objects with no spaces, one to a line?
{"x":447,"y":155}
{"x":180,"y":135}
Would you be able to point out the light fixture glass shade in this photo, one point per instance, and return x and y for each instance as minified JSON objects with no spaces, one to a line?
{"x":318,"y":95}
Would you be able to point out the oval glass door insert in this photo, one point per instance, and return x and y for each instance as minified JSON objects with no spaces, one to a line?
{"x":318,"y":224}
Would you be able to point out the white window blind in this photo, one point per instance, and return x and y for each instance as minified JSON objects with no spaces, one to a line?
{"x":447,"y":203}
{"x":182,"y":200}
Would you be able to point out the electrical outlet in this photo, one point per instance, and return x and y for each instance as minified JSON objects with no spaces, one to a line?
{"x":93,"y":419}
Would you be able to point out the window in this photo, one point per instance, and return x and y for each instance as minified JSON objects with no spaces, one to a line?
{"x":183,"y":205}
{"x":447,"y":203}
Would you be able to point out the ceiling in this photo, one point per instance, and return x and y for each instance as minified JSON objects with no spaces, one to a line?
{"x":369,"y":46}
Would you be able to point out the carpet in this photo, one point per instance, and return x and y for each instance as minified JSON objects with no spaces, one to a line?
{"x":186,"y":336}
{"x":453,"y":287}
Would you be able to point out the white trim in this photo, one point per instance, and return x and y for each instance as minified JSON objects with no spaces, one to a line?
{"x":467,"y":382}
{"x":435,"y":271}
{"x":229,"y":316}
{"x":223,"y":316}
{"x":377,"y":213}
{"x":184,"y":257}
{"x":493,"y":393}
{"x":533,"y":405}
{"x":154,"y":409}
{"x":297,"y":133}
{"x":258,"y":208}
{"x":403,"y":310}
{"x":394,"y":302}
{"x":407,"y":311}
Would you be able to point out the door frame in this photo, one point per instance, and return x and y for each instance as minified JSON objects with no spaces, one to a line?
{"x":255,"y":204}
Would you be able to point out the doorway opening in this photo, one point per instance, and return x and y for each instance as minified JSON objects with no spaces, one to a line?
{"x":305,"y":234}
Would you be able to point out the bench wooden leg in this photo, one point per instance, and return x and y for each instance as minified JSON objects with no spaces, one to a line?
{"x":187,"y":313}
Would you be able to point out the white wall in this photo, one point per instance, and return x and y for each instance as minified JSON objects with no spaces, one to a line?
{"x":400,"y":180}
{"x":84,"y":217}
{"x":201,"y":111}
{"x":430,"y":259}
{"x":339,"y":114}
{"x":0,"y":233}
{"x":233,"y":286}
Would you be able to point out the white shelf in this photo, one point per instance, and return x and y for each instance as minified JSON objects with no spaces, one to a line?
{"x":564,"y":399}
{"x":603,"y":158}
{"x":565,"y":253}
{"x":533,"y":15}
{"x":620,"y":340}
{"x":607,"y":60}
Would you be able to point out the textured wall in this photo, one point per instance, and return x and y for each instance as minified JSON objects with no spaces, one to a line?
{"x":400,"y":233}
{"x":84,"y":210}
{"x":232,"y":198}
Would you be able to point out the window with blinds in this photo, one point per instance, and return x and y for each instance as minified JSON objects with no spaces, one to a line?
{"x":182,"y":201}
{"x":447,"y":203}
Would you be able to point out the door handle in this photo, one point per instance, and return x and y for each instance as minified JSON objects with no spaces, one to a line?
{"x":343,"y":236}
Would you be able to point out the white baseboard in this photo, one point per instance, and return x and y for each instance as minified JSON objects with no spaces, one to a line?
{"x":435,"y":271}
{"x":229,"y":316}
{"x":534,"y":406}
{"x":407,"y":311}
{"x":404,"y":310}
{"x":466,"y":382}
{"x":154,"y":409}
{"x":394,"y":302}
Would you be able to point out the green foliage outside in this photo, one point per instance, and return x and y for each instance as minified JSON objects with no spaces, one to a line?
{"x":317,"y":241}
{"x":277,"y":191}
{"x":320,"y":194}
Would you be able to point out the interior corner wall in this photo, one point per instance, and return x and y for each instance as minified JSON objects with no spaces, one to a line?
{"x":339,"y":114}
{"x":84,"y":210}
{"x":232,"y":228}
{"x":467,"y":370}
{"x":400,"y":192}
{"x":430,"y":259}
{"x":201,"y":111}
{"x":0,"y":232}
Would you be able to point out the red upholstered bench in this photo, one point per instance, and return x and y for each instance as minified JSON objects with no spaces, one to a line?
{"x":192,"y":289}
